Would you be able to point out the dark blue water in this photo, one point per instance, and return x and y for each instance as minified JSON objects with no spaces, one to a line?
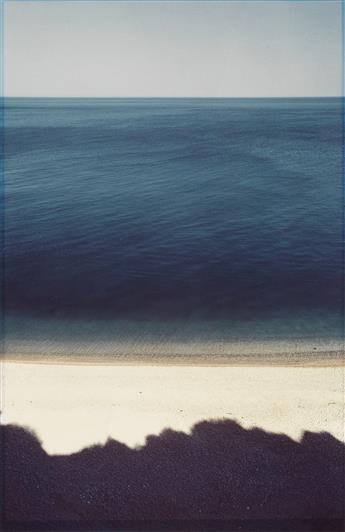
{"x":218,"y":211}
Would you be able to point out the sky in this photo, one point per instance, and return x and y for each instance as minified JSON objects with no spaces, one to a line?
{"x":172,"y":48}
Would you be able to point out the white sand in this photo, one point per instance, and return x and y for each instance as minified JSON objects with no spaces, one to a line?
{"x":72,"y":406}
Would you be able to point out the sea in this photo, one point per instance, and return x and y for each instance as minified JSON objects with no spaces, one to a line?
{"x":173,"y":227}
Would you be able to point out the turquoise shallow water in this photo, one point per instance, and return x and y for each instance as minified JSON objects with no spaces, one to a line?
{"x":172,"y":222}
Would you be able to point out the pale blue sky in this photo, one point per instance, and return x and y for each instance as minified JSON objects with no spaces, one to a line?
{"x":172,"y":48}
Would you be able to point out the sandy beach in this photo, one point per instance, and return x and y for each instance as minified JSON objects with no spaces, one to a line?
{"x":71,"y":406}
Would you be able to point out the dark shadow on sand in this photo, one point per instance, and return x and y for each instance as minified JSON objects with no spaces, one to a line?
{"x":220,"y":477}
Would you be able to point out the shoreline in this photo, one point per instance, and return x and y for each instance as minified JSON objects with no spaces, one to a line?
{"x":308,"y":360}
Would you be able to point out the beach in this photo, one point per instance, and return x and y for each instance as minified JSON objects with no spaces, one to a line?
{"x":71,"y":406}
